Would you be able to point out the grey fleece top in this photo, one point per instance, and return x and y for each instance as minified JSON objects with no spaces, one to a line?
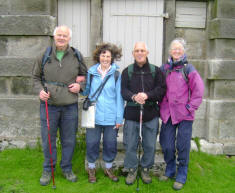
{"x":64,"y":71}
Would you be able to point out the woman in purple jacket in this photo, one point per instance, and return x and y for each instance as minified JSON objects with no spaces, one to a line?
{"x":184,"y":95}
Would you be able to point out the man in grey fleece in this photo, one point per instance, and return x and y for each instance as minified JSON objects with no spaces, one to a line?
{"x":60,"y":75}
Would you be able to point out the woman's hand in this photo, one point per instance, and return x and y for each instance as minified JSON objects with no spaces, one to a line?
{"x":118,"y":126}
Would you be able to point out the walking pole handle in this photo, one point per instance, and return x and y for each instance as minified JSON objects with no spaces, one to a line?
{"x":45,"y":89}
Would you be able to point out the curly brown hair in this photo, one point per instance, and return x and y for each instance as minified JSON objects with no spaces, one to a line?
{"x":116,"y":52}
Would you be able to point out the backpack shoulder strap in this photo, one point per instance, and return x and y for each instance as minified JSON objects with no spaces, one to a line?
{"x":130,"y":70}
{"x":185,"y":72}
{"x":81,"y":64}
{"x":77,"y":54}
{"x":152,"y":70}
{"x":46,"y":56}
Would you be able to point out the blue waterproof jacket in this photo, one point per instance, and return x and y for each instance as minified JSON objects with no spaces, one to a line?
{"x":110,"y":104}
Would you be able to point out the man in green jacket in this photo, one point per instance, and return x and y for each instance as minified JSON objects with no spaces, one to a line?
{"x":58,"y":75}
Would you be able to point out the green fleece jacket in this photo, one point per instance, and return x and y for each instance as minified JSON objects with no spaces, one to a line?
{"x":64,"y":71}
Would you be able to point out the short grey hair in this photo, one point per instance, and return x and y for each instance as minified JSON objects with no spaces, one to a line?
{"x":179,"y":41}
{"x":70,"y":31}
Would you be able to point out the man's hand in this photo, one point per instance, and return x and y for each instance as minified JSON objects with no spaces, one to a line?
{"x":74,"y":87}
{"x":141,"y":97}
{"x":44,"y":96}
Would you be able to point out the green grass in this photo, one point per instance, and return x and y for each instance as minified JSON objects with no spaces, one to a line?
{"x":20,"y":171}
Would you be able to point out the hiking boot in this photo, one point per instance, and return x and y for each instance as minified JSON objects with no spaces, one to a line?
{"x":110,"y":174}
{"x":70,"y":176}
{"x":45,"y":178}
{"x":131,"y":177}
{"x":177,"y":186}
{"x":145,"y":176}
{"x":91,"y":175}
{"x":163,"y":178}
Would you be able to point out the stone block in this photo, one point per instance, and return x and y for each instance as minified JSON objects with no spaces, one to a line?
{"x":27,"y":25}
{"x":222,"y":28}
{"x":16,"y":85}
{"x":15,"y":66}
{"x":212,"y":130}
{"x":25,"y":47}
{"x":221,"y":109}
{"x":28,"y":7}
{"x":222,"y":49}
{"x":221,"y":69}
{"x":200,"y":65}
{"x":19,"y":117}
{"x":3,"y":145}
{"x":201,"y":111}
{"x":22,"y":86}
{"x":3,"y":46}
{"x":199,"y":128}
{"x":199,"y":124}
{"x":229,"y":149}
{"x":17,"y":144}
{"x":211,"y":148}
{"x":224,"y":9}
{"x":193,"y":146}
{"x":220,"y":120}
{"x":227,"y":130}
{"x":3,"y":85}
{"x":223,"y":89}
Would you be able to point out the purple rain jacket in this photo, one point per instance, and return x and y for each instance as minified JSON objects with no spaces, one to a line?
{"x":177,"y":102}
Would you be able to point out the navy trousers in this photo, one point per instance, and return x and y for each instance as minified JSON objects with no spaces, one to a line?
{"x":171,"y":141}
{"x":64,"y":118}
{"x":93,"y":137}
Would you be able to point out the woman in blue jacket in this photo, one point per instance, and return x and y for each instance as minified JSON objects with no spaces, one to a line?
{"x":109,"y":109}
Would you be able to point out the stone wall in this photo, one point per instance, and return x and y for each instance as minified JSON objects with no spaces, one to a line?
{"x":221,"y":79}
{"x":26,"y":27}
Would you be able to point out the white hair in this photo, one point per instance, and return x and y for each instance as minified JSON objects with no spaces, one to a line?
{"x":180,"y":41}
{"x":63,"y":26}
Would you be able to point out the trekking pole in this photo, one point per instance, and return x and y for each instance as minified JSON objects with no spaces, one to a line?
{"x":49,"y":141}
{"x":139,"y":146}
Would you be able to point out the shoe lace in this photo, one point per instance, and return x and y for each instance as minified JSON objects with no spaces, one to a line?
{"x":131,"y":172}
{"x":92,"y":172}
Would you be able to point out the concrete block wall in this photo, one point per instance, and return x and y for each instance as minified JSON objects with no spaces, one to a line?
{"x":26,"y":27}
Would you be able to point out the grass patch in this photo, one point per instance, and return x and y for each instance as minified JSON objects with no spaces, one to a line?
{"x":20,"y":171}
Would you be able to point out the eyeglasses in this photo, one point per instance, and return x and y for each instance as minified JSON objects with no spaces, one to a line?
{"x":176,"y":49}
{"x":142,"y":51}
